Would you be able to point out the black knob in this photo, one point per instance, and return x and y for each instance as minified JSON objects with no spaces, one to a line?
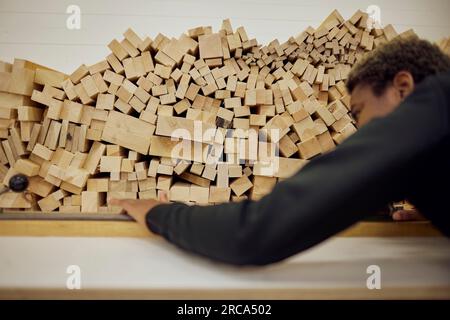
{"x":18,"y":183}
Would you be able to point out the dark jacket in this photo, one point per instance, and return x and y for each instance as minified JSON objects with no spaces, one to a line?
{"x":405,"y":155}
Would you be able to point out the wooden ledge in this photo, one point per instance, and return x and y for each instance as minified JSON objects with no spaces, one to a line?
{"x":123,"y":227}
{"x":230,"y":294}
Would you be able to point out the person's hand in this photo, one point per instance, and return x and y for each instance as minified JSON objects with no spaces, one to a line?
{"x":407,"y":215}
{"x":138,"y":209}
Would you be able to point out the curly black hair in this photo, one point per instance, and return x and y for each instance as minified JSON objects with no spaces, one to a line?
{"x":379,"y":67}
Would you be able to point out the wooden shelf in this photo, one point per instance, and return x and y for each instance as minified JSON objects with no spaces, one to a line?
{"x":103,"y":226}
{"x":440,"y":293}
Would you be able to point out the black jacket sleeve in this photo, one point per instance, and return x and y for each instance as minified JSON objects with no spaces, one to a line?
{"x":329,"y":194}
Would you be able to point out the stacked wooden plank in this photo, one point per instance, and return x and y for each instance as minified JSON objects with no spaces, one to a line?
{"x":207,"y":117}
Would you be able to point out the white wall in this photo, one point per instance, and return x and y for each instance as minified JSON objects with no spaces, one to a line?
{"x":36,"y":30}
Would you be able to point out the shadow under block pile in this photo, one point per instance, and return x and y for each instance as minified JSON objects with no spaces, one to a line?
{"x":248,"y":116}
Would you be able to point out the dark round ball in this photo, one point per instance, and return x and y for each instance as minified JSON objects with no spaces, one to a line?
{"x":18,"y":182}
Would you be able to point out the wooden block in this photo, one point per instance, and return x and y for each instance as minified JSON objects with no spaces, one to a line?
{"x":115,"y":63}
{"x":210,"y":171}
{"x":241,"y":185}
{"x":110,"y":163}
{"x":26,"y":167}
{"x":118,"y":50}
{"x":185,"y":128}
{"x":42,"y":152}
{"x":234,"y":171}
{"x":69,"y":209}
{"x":219,"y":194}
{"x":10,"y":155}
{"x":276,"y":128}
{"x":78,"y":74}
{"x":33,"y":136}
{"x":258,"y":120}
{"x":62,"y":158}
{"x":129,"y":48}
{"x":186,"y":150}
{"x":99,"y":67}
{"x":98,"y":184}
{"x":10,"y":113}
{"x":262,"y":186}
{"x":326,"y":141}
{"x":164,"y":183}
{"x":54,"y":110}
{"x":337,"y":109}
{"x":278,"y":167}
{"x":199,"y":194}
{"x":76,"y":177}
{"x":25,"y":130}
{"x":131,"y":71}
{"x":141,"y":170}
{"x":76,"y":200}
{"x":101,"y":85}
{"x":180,"y":191}
{"x":181,"y":167}
{"x":137,"y":104}
{"x":305,"y":128}
{"x":153,"y":167}
{"x":182,"y":106}
{"x":231,"y":103}
{"x":13,"y":200}
{"x":16,"y":141}
{"x":194,"y":179}
{"x":52,"y":201}
{"x":71,"y":111}
{"x":113,"y":77}
{"x":128,"y":132}
{"x":114,"y":150}
{"x":222,"y":175}
{"x":309,"y":148}
{"x":105,"y":101}
{"x":127,"y":165}
{"x":142,"y":95}
{"x":287,"y":147}
{"x":174,"y":50}
{"x":39,"y":186}
{"x":234,"y":41}
{"x":147,"y":184}
{"x":242,"y":34}
{"x":19,"y":81}
{"x":89,"y":86}
{"x":3,"y":157}
{"x":94,"y":156}
{"x":133,"y":38}
{"x":163,"y":71}
{"x":197,"y":168}
{"x":348,"y":130}
{"x":51,"y":141}
{"x":90,"y":201}
{"x":225,"y":114}
{"x":29,"y":113}
{"x":49,"y":77}
{"x":82,"y":94}
{"x":148,"y":194}
{"x":325,"y":115}
{"x":389,"y":32}
{"x":210,"y":46}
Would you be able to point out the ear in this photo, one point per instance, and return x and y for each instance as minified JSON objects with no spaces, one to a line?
{"x":404,"y":83}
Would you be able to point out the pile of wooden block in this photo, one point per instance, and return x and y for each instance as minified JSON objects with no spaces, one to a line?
{"x":253,"y":114}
